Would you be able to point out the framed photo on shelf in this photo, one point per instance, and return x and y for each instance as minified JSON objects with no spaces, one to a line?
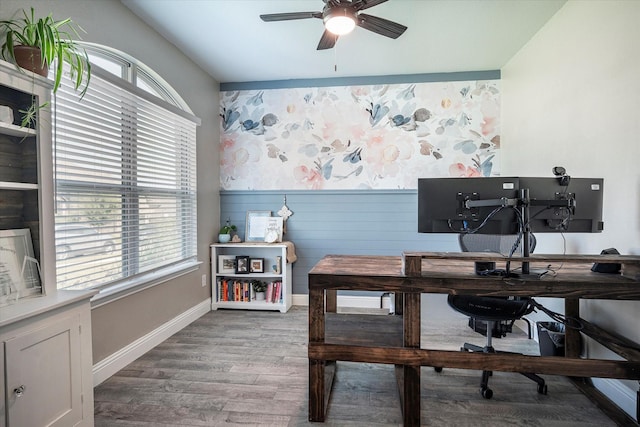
{"x":256,"y":225}
{"x":242,"y":264}
{"x":256,"y":265}
{"x":226,"y":264}
{"x":19,"y":270}
{"x":273,"y":231}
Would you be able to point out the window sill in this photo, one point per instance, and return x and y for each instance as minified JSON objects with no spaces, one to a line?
{"x":142,"y":282}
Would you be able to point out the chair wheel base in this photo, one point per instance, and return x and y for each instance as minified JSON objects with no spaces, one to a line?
{"x":542,"y":389}
{"x":486,"y":392}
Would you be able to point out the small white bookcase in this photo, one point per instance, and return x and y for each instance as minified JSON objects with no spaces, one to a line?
{"x":231,"y":288}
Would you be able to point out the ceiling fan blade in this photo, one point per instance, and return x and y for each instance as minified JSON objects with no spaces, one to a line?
{"x":381,"y":26}
{"x":366,"y":4}
{"x":290,"y":16}
{"x":327,"y":41}
{"x":333,"y":3}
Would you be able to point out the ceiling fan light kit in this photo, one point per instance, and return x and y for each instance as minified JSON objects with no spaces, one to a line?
{"x":341,"y":17}
{"x":340,"y":21}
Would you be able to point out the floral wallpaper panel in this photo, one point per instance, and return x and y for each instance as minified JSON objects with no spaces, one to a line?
{"x":358,"y":137}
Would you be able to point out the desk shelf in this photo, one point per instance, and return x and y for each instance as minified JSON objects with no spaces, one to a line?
{"x":416,"y":262}
{"x":371,"y":330}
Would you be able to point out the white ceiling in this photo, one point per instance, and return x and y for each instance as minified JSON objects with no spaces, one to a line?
{"x":228,"y":39}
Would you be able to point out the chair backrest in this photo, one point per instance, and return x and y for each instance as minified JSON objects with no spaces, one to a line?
{"x":491,"y":308}
{"x":498,"y":243}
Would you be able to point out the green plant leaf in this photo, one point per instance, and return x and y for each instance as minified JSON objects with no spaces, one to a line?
{"x":54,"y":38}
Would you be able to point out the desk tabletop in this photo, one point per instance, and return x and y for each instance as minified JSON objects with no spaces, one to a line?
{"x":377,"y":265}
{"x":566,"y":277}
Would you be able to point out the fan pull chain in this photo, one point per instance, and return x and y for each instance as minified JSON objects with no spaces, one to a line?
{"x":335,"y":55}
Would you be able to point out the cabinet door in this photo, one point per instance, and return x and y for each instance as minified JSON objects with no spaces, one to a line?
{"x":44,"y":386}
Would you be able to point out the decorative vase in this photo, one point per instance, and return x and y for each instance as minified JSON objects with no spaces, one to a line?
{"x":260,"y":296}
{"x":224,"y":238}
{"x":30,"y":58}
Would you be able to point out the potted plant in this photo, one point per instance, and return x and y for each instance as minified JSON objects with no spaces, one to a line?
{"x":259,"y":287}
{"x":224,"y":235}
{"x":36,"y":44}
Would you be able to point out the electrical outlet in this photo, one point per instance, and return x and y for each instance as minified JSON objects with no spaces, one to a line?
{"x":204,"y":280}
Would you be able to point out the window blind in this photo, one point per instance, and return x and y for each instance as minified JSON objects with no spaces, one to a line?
{"x":125,"y":180}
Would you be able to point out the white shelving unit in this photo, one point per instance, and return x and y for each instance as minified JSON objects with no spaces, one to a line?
{"x":25,"y":174}
{"x":269,"y":253}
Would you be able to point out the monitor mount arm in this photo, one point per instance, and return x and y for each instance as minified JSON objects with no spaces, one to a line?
{"x":523,"y":202}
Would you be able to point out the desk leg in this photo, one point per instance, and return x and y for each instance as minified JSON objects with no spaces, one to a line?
{"x":572,"y":336}
{"x":408,"y":376}
{"x":399,"y":302}
{"x":332,"y":301}
{"x":320,"y":378}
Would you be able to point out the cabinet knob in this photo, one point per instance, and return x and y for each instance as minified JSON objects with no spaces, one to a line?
{"x":19,"y":391}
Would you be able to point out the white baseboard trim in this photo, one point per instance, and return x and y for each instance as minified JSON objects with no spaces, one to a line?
{"x":347,"y":301}
{"x":118,"y":360}
{"x":618,"y":393}
{"x":300,"y":299}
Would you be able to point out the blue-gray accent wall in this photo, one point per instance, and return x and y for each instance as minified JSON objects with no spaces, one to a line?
{"x":372,"y":222}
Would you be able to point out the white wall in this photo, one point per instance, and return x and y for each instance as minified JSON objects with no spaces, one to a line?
{"x":571,"y":97}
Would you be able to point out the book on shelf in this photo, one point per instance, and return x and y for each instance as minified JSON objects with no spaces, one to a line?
{"x":235,"y":290}
{"x":274,"y":292}
{"x":269,"y":294}
{"x":241,"y":290}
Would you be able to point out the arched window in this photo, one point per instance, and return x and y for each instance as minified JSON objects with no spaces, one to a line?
{"x":128,"y":68}
{"x":125,"y":177}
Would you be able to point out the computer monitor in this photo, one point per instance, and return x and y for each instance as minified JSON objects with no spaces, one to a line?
{"x":441,"y":205}
{"x":548,"y":210}
{"x":494,"y":205}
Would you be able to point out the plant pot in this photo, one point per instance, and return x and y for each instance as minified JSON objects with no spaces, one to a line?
{"x":260,"y":296}
{"x":30,"y":58}
{"x":224,"y":238}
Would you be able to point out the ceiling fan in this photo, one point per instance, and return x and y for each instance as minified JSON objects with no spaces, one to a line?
{"x":340,"y":17}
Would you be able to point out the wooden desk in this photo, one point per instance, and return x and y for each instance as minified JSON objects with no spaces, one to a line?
{"x":396,"y":339}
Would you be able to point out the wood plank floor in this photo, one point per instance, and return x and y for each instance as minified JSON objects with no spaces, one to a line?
{"x":247,"y":368}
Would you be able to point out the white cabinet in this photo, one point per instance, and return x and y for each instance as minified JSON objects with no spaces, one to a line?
{"x":46,"y":345}
{"x":41,"y":369}
{"x":231,"y":286}
{"x":45,"y":334}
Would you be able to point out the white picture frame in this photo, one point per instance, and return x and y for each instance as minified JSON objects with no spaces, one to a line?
{"x":273,"y":231}
{"x":256,"y":225}
{"x":226,"y":264}
{"x":19,"y":269}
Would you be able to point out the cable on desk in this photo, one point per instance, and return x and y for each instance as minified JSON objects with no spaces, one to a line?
{"x":569,"y":322}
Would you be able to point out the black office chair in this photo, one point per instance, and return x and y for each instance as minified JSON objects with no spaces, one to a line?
{"x":492,"y":316}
